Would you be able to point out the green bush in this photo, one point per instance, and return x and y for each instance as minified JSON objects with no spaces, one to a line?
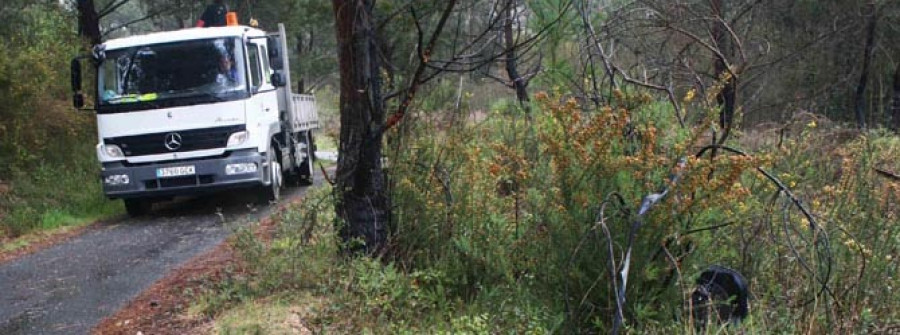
{"x":513,"y":203}
{"x":49,"y":167}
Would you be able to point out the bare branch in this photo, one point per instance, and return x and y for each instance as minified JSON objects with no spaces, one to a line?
{"x":111,"y":7}
{"x":126,"y":24}
{"x":424,"y":58}
{"x":887,"y":174}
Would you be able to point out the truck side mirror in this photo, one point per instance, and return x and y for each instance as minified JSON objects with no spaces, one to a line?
{"x":277,"y":79}
{"x":274,"y":48}
{"x":77,"y":96}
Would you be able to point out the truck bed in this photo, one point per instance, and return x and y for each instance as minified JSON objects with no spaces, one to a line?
{"x":303,"y":112}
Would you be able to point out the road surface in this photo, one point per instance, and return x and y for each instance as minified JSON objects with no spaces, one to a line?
{"x":70,"y":287}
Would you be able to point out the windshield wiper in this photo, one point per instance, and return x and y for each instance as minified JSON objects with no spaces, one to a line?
{"x":181,"y":93}
{"x":128,"y":70}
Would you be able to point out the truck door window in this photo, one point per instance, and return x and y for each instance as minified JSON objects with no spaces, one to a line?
{"x":267,"y":71}
{"x":253,"y":61}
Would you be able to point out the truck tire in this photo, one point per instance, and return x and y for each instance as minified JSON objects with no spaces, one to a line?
{"x":137,"y":207}
{"x":304,"y":172}
{"x":272,"y":192}
{"x":309,"y":164}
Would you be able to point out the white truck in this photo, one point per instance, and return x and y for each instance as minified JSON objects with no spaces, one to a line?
{"x":197,"y":110}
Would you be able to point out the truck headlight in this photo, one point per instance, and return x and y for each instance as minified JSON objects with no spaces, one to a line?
{"x":237,"y":138}
{"x":240,"y":168}
{"x":117,"y":179}
{"x":113,"y":150}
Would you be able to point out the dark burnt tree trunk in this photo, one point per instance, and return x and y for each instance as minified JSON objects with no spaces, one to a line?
{"x":89,"y":21}
{"x":517,"y":81}
{"x":728,"y":96}
{"x":301,"y":83}
{"x":867,"y":60}
{"x":895,"y":104}
{"x":89,"y":18}
{"x":362,"y":200}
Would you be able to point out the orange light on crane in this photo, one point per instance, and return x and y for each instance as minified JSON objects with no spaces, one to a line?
{"x":231,"y":19}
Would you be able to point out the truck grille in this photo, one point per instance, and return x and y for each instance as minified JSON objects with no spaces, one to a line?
{"x":179,"y":182}
{"x":189,"y":140}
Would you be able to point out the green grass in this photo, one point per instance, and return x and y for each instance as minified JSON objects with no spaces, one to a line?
{"x":15,"y":244}
{"x":277,"y":315}
{"x":302,"y":275}
{"x":325,"y":142}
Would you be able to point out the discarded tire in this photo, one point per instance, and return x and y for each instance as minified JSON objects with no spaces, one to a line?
{"x":721,"y":295}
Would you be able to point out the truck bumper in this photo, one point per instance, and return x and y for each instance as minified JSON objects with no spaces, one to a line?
{"x":209,"y":176}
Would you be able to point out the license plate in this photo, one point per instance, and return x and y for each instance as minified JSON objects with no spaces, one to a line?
{"x":175,"y":171}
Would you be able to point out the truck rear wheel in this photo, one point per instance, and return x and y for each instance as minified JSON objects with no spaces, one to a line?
{"x":272,"y":192}
{"x":305,"y":170}
{"x":137,"y":207}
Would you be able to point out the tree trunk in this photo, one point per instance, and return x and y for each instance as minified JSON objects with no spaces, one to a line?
{"x":728,"y":96}
{"x":363,"y":203}
{"x":895,"y":105}
{"x":301,"y":84}
{"x":512,"y":70}
{"x":88,"y":21}
{"x":864,"y":76}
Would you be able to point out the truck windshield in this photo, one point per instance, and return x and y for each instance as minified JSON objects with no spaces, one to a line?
{"x":172,"y":74}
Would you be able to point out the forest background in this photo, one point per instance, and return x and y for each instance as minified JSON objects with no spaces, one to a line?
{"x":523,"y":138}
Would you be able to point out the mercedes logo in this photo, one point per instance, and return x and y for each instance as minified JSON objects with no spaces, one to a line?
{"x":173,"y":141}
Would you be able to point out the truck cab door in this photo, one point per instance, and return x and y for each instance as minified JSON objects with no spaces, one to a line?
{"x":262,"y":109}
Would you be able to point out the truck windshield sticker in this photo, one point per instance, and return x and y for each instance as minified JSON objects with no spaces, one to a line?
{"x":172,"y":74}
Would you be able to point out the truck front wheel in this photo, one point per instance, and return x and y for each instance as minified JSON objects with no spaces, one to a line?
{"x":137,"y":207}
{"x":273,"y":191}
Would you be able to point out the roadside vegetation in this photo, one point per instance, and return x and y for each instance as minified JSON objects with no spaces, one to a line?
{"x":48,"y":175}
{"x":504,"y":225}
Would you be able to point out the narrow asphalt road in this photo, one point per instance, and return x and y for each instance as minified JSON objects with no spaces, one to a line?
{"x":70,"y":287}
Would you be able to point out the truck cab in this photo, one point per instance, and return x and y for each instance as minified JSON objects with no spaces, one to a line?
{"x":198,"y":110}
